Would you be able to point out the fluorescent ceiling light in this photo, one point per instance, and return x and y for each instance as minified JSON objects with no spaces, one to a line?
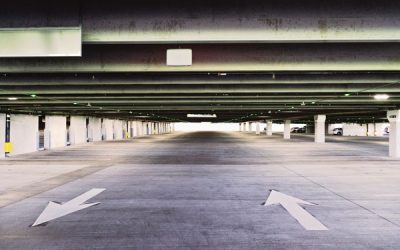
{"x":201,"y":115}
{"x":381,"y":97}
{"x":12,"y":98}
{"x":179,"y":57}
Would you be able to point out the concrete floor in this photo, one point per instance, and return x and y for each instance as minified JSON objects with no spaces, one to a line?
{"x":204,"y":191}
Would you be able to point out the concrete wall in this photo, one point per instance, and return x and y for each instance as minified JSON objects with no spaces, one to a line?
{"x":77,"y":130}
{"x":56,"y":128}
{"x":354,"y":129}
{"x":377,"y":129}
{"x":331,"y":127}
{"x":95,"y":129}
{"x":23,"y":133}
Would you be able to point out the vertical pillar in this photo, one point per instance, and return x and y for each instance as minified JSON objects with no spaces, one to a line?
{"x":286,"y":130}
{"x":394,"y":134}
{"x":7,"y":142}
{"x":240,"y":127}
{"x":55,"y":132}
{"x":2,"y":133}
{"x":77,"y":130}
{"x":250,"y":127}
{"x":95,"y":128}
{"x":319,"y":124}
{"x":269,"y":128}
{"x":257,"y":128}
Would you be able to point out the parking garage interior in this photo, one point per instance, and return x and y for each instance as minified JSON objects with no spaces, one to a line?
{"x":200,"y":124}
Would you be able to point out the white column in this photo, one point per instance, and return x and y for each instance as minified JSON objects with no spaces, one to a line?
{"x":286,"y":130}
{"x":151,"y":128}
{"x":108,"y":129}
{"x":77,"y":130}
{"x":394,"y":134}
{"x":95,"y":128}
{"x":2,"y":134}
{"x":269,"y":128}
{"x":118,"y":129}
{"x":145,"y":128}
{"x":56,"y":132}
{"x":257,"y":128}
{"x":23,"y":133}
{"x":240,"y":127}
{"x":319,"y":124}
{"x":250,"y":127}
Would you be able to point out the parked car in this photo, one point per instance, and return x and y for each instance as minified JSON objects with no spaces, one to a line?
{"x":298,"y":130}
{"x":338,"y":131}
{"x":294,"y":130}
{"x":301,"y":130}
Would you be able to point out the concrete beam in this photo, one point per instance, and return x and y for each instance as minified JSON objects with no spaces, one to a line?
{"x":220,"y":58}
{"x":256,"y":22}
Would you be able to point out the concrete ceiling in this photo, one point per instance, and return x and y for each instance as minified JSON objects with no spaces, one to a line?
{"x":251,"y":60}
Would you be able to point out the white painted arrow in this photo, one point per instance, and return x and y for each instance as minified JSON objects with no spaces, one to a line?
{"x":55,"y":210}
{"x":291,"y":204}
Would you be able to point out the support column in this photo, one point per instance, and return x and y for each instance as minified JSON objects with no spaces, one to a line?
{"x":286,"y":130}
{"x":108,"y":129}
{"x":23,"y":134}
{"x":269,"y":128}
{"x":240,"y":127}
{"x":2,"y":134}
{"x":55,"y":132}
{"x":77,"y":130}
{"x":394,"y":134}
{"x":319,"y":123}
{"x":95,"y":128}
{"x":250,"y":127}
{"x":257,"y":128}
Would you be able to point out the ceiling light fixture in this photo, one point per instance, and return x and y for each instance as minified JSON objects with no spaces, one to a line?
{"x":381,"y":97}
{"x":12,"y":98}
{"x":347,"y":94}
{"x":201,"y":115}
